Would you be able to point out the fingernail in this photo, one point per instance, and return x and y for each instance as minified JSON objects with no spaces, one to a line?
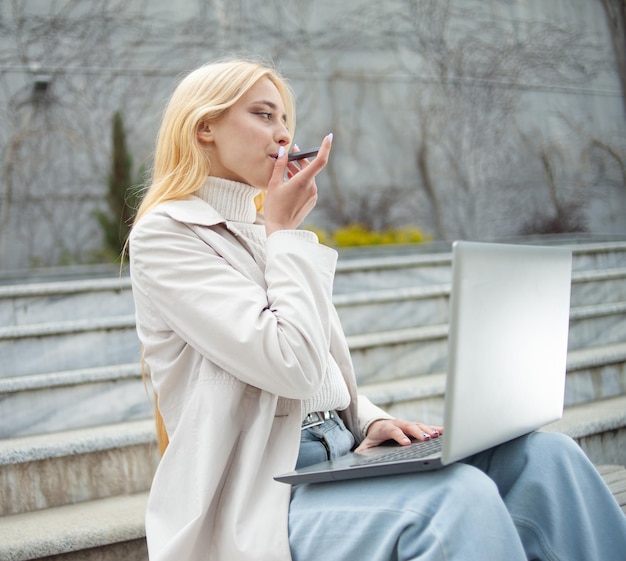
{"x":330,"y":137}
{"x":435,"y":432}
{"x":281,"y":151}
{"x":427,"y":436}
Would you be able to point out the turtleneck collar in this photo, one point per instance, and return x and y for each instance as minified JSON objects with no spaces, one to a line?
{"x":233,"y":200}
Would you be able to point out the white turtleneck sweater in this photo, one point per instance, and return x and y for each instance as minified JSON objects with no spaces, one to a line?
{"x":235,"y":202}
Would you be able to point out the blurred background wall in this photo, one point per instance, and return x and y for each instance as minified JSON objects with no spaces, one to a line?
{"x":467,"y":119}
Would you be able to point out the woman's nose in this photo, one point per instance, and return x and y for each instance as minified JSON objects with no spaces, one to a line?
{"x":283,"y":136}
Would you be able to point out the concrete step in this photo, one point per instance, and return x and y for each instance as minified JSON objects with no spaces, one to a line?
{"x":108,"y":529}
{"x":44,"y":302}
{"x":599,"y":428}
{"x":41,"y":275}
{"x":599,"y":286}
{"x":57,"y":401}
{"x":27,"y":304}
{"x":80,"y":494}
{"x":377,"y":310}
{"x":598,"y":255}
{"x":113,"y":529}
{"x":598,"y":324}
{"x":595,"y":374}
{"x":390,"y":309}
{"x":98,"y":342}
{"x":387,"y":271}
{"x":68,"y":345}
{"x":592,"y":375}
{"x":71,"y":467}
{"x":391,"y":355}
{"x":615,"y":477}
{"x":52,"y":470}
{"x":42,"y":403}
{"x":35,"y":471}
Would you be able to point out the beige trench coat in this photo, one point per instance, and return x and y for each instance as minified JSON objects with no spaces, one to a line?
{"x":223,"y":340}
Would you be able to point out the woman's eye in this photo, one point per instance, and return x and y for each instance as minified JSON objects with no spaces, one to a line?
{"x":265,"y":115}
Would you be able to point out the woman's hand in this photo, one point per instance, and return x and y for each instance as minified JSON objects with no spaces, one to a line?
{"x":288,"y":203}
{"x":400,"y":431}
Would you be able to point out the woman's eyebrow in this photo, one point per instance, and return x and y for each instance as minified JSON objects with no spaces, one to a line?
{"x":271,"y":105}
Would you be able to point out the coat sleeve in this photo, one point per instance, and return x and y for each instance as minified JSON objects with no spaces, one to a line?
{"x":273,"y":335}
{"x":368,"y":413}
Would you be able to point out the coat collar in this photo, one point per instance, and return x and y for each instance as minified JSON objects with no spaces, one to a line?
{"x":192,"y":210}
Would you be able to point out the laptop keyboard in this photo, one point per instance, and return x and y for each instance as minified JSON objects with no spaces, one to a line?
{"x":413,"y":451}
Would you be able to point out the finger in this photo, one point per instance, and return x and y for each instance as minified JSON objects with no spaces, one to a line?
{"x":433,"y":430}
{"x":292,"y":165}
{"x":293,"y":168}
{"x":399,"y":436}
{"x":313,"y":167}
{"x":278,"y":173}
{"x":422,"y":432}
{"x":297,"y":165}
{"x":324,"y":151}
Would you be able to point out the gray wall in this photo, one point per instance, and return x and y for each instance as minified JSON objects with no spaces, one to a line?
{"x":465,"y":118}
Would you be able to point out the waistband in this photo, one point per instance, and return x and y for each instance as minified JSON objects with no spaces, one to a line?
{"x":317,"y":418}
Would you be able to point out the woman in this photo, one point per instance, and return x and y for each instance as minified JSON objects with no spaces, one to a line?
{"x":234,"y":310}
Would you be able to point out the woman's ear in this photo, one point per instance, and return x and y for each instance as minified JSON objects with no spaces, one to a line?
{"x":205,"y":136}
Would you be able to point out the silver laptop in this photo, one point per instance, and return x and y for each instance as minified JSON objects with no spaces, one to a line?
{"x":507,"y":352}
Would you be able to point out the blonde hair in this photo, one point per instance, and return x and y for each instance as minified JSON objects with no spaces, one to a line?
{"x":181,"y":165}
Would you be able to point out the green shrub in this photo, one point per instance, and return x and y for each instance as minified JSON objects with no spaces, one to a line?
{"x":123,"y":194}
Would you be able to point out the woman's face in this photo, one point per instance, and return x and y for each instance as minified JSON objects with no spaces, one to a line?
{"x":244,"y":142}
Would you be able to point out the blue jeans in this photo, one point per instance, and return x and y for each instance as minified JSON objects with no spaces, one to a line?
{"x":329,"y":440}
{"x":537,"y":498}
